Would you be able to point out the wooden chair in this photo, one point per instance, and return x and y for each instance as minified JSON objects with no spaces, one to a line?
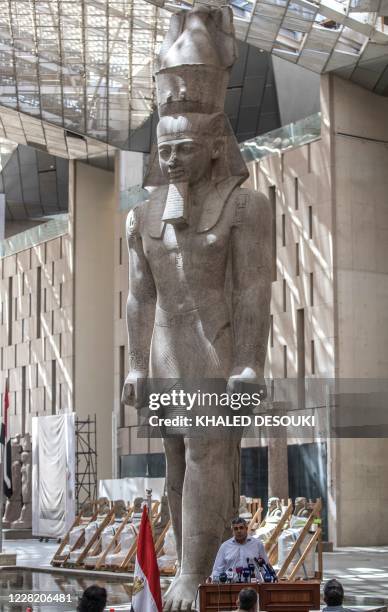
{"x":312,"y":540}
{"x":104,"y":517}
{"x":159,"y":544}
{"x":128,"y":563}
{"x":271,"y":545}
{"x":256,"y":511}
{"x":96,"y":557}
{"x":81,"y":520}
{"x":114,"y":545}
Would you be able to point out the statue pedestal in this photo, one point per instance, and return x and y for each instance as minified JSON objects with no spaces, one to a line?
{"x":7,"y":559}
{"x":17,"y":534}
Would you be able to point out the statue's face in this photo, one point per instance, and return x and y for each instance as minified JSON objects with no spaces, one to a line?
{"x":186,"y":160}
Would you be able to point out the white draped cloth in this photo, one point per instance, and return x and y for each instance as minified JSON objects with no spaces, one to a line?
{"x":53,"y":475}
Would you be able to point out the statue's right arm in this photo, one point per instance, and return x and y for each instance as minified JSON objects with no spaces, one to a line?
{"x":140,"y":312}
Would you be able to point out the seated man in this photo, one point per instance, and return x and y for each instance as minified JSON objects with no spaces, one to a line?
{"x":333,"y":595}
{"x":235,"y":552}
{"x":93,"y":598}
{"x":247,"y":601}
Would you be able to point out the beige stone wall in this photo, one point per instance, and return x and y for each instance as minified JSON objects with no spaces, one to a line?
{"x":342,"y":177}
{"x":94,"y":202}
{"x":36,"y":331}
{"x":66,"y":361}
{"x":302,"y":335}
{"x":360,"y":144}
{"x":361,"y":179}
{"x":301,"y":179}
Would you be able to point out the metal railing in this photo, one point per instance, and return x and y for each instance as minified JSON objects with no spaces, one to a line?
{"x":284,"y":138}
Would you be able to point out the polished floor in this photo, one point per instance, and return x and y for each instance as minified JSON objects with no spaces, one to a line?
{"x":362,"y":571}
{"x":16,"y":584}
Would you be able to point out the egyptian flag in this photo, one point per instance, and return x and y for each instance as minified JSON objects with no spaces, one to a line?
{"x":5,"y":442}
{"x":146,"y":594}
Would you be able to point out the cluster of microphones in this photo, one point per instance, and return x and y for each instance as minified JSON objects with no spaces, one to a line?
{"x":256,"y":570}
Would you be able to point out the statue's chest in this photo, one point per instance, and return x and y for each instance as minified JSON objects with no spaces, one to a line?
{"x":187,"y":244}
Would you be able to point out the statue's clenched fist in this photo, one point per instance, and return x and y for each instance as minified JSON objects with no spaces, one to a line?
{"x":134,"y":390}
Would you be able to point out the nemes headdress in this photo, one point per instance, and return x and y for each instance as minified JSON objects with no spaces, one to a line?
{"x":191,"y":77}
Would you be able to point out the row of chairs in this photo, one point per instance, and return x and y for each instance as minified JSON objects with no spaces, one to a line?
{"x":304,"y":539}
{"x":104,"y":536}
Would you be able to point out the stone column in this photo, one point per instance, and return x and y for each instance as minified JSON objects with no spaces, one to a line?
{"x":277,"y":458}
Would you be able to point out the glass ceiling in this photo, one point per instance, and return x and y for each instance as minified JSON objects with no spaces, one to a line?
{"x":83,"y":65}
{"x":76,"y":75}
{"x":6,"y":151}
{"x":348,"y":37}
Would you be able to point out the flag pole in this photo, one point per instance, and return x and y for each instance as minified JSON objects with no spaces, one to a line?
{"x":2,"y":474}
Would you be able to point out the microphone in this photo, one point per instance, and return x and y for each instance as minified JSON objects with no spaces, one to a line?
{"x":246,"y":574}
{"x":269,"y":573}
{"x":258,"y":569}
{"x":251,"y":568}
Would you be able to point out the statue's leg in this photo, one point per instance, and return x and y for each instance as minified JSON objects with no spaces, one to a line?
{"x":174,"y":449}
{"x":210,"y":500}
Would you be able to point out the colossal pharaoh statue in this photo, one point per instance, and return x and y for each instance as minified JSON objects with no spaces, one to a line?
{"x":199,"y":280}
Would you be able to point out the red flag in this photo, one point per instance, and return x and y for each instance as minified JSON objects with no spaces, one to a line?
{"x":146,"y":594}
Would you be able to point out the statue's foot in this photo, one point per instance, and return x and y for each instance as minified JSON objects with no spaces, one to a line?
{"x":180,"y":597}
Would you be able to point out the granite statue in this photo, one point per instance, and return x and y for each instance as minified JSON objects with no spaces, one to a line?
{"x":301,"y":507}
{"x":13,"y":505}
{"x":25,"y":519}
{"x":199,"y":280}
{"x":274,"y":507}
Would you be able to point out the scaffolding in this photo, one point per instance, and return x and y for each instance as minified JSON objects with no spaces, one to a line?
{"x":85,"y":460}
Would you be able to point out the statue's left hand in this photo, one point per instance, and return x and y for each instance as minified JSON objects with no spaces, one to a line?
{"x":241,"y":378}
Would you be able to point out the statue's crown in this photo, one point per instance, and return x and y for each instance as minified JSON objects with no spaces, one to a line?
{"x":195,"y":60}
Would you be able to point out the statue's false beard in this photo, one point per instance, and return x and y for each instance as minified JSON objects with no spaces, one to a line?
{"x":177,"y":209}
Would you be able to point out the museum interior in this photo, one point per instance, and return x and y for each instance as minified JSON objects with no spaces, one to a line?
{"x":91,"y":95}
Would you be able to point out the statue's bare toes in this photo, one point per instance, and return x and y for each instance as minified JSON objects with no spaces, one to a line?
{"x":168,"y":605}
{"x":180,"y":597}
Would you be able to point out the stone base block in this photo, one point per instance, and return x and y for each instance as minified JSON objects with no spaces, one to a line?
{"x":17,"y":534}
{"x":123,"y":440}
{"x":7,"y":559}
